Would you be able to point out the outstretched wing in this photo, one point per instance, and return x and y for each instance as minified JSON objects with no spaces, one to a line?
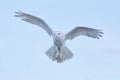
{"x":34,"y":20}
{"x":90,"y":32}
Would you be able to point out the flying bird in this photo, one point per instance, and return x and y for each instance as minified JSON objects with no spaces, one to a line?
{"x":59,"y":52}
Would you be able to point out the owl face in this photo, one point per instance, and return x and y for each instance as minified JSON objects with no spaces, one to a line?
{"x":58,"y":33}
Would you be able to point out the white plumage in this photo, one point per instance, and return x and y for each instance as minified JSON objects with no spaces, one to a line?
{"x":59,"y":52}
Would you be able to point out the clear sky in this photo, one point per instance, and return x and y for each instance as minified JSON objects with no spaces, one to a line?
{"x":23,"y":46}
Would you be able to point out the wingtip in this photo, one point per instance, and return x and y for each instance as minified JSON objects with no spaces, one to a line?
{"x":18,"y":13}
{"x":100,"y":31}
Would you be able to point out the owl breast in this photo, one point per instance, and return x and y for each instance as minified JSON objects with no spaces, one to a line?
{"x":58,"y":39}
{"x":58,"y":42}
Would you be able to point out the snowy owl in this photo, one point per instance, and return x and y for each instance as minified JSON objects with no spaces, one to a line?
{"x":59,"y":52}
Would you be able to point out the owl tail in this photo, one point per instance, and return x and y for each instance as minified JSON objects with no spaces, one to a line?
{"x":59,"y":55}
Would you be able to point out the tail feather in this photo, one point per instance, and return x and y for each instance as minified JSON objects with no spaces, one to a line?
{"x":59,"y":56}
{"x":51,"y":52}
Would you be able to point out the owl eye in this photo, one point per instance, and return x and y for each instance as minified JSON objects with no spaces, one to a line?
{"x":58,"y":33}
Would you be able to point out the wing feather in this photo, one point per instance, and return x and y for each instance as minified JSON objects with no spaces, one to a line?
{"x":34,"y":20}
{"x":90,"y":32}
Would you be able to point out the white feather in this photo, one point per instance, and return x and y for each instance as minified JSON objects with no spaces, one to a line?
{"x":55,"y":55}
{"x":90,"y":32}
{"x":34,"y":20}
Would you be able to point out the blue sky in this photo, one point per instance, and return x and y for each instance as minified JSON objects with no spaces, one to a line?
{"x":23,"y":46}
